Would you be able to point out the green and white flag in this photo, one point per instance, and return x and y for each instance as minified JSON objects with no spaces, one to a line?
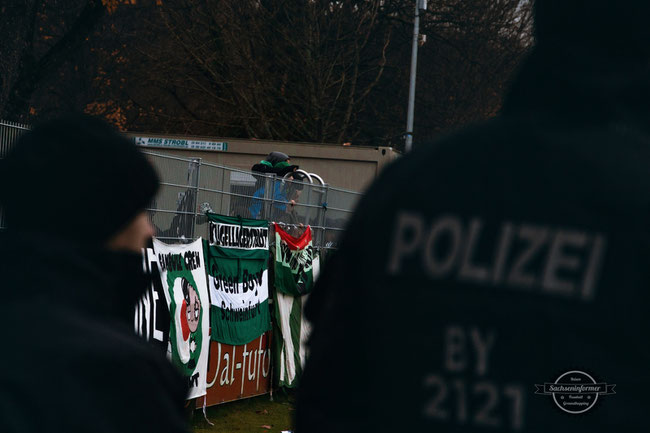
{"x":182,"y":272}
{"x":293,"y":262}
{"x":291,"y":328}
{"x":237,"y":262}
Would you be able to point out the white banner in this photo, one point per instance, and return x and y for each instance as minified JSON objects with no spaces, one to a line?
{"x":182,"y":271}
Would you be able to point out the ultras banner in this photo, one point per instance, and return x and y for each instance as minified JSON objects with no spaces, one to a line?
{"x":292,"y":333}
{"x":182,"y":272}
{"x":296,"y":269}
{"x":151,"y":311}
{"x":237,"y":256}
{"x":293,"y":262}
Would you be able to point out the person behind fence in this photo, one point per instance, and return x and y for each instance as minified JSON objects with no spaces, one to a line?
{"x":277,"y":164}
{"x":499,"y":279}
{"x":74,"y":192}
{"x":293,"y":188}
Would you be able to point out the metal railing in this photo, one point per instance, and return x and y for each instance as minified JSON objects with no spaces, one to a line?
{"x":190,"y":187}
{"x":9,"y":132}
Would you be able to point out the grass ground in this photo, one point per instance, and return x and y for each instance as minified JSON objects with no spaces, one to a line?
{"x":252,"y":415}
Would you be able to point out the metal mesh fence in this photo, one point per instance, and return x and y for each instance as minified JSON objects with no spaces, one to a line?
{"x":190,"y":187}
{"x":9,"y":132}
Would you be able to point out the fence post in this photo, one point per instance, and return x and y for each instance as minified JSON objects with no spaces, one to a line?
{"x":223,"y":188}
{"x":196,"y":194}
{"x":308,"y":212}
{"x":322,"y":211}
{"x":269,"y":192}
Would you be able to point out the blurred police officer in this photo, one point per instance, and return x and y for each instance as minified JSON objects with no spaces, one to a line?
{"x":512,"y":254}
{"x":73,"y":193}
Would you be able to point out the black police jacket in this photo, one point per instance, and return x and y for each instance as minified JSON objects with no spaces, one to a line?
{"x":71,"y":361}
{"x":499,"y":280}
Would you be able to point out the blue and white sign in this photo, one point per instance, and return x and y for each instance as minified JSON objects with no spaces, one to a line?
{"x":180,"y":143}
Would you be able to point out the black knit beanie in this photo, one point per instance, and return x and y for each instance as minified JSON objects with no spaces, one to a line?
{"x":76,"y":178}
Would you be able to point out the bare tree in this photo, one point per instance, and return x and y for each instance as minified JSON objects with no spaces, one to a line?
{"x":472,"y":50}
{"x":279,"y":69}
{"x":39,"y":37}
{"x":300,"y":70}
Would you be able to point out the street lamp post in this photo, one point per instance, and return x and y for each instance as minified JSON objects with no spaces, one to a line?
{"x":419,"y":4}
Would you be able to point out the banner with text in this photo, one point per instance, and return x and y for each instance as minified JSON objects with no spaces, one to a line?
{"x":296,"y":269}
{"x":293,"y":262}
{"x":151,"y":311}
{"x":237,"y":263}
{"x":236,"y":372}
{"x":181,"y":143}
{"x":182,"y":272}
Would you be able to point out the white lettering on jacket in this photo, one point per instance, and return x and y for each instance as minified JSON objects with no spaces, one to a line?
{"x":558,"y":261}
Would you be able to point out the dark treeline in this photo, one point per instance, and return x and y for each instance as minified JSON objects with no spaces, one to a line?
{"x":302,"y":70}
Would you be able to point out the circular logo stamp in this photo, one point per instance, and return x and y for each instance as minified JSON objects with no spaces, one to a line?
{"x":575,"y":391}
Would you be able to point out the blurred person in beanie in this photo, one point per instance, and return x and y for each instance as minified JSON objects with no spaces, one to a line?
{"x":499,"y":279}
{"x":73,"y":192}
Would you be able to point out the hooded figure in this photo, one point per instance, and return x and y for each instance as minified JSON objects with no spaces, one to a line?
{"x":498,"y":280}
{"x":73,"y":193}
